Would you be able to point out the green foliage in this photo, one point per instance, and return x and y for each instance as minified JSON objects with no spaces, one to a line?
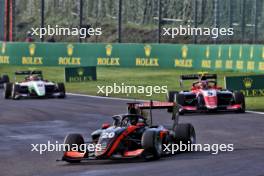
{"x":140,"y":14}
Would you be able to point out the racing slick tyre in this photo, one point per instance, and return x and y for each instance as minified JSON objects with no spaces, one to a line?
{"x":61,"y":89}
{"x":180,"y":100}
{"x":152,"y":145}
{"x":73,"y":140}
{"x":185,"y":134}
{"x":239,"y":98}
{"x":15,"y":90}
{"x":171,"y":97}
{"x":5,"y":79}
{"x":7,"y":90}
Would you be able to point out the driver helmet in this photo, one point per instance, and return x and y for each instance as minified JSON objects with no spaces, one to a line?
{"x":204,"y":84}
{"x":33,"y":78}
{"x":133,"y":121}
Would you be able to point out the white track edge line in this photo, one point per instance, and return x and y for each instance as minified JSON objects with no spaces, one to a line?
{"x":256,"y":112}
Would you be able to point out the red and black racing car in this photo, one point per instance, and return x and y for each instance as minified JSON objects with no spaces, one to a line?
{"x":206,"y":95}
{"x":132,"y":135}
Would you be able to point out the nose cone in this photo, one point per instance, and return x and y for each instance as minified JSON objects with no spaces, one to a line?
{"x":107,"y":138}
{"x":211,"y":102}
{"x":39,"y":88}
{"x":210,"y":98}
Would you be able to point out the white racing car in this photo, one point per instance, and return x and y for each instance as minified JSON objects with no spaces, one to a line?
{"x":33,"y":86}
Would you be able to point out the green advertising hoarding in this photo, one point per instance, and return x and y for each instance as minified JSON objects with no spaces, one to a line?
{"x":244,"y":58}
{"x":80,"y":74}
{"x":250,"y":86}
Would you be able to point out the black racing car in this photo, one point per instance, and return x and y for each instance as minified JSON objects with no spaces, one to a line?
{"x":132,"y":135}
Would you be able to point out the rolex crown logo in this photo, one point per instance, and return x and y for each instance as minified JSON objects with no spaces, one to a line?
{"x":147,"y":49}
{"x":229,"y":52}
{"x":207,"y":52}
{"x":240,"y":52}
{"x":251,"y":52}
{"x":184,"y":52}
{"x":32,"y":48}
{"x":80,"y":71}
{"x":262,"y":52}
{"x":248,"y":83}
{"x":3,"y":48}
{"x":219,"y":52}
{"x":70,"y":49}
{"x":108,"y":50}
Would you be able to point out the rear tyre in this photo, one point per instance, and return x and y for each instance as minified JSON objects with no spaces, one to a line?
{"x":239,"y":98}
{"x":61,"y":89}
{"x":73,"y":140}
{"x":185,"y":134}
{"x":152,"y":145}
{"x":7,"y":90}
{"x":5,"y":79}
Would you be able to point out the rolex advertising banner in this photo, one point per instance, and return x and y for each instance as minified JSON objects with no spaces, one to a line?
{"x":244,"y":58}
{"x":249,"y":85}
{"x":80,"y":74}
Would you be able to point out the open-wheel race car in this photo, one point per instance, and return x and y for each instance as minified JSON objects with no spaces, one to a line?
{"x":33,"y":85}
{"x":206,"y":95}
{"x":132,"y":135}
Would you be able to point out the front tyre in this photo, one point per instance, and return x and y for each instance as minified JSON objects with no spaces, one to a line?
{"x":7,"y":90}
{"x":73,"y":140}
{"x":239,"y":98}
{"x":152,"y":145}
{"x":171,"y":97}
{"x":15,"y":92}
{"x":5,"y":79}
{"x":180,"y":100}
{"x":61,"y":89}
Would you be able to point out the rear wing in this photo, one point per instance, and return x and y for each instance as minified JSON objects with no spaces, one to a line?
{"x":35,"y":72}
{"x":198,"y":77}
{"x":152,"y":105}
{"x":156,"y":105}
{"x":171,"y":106}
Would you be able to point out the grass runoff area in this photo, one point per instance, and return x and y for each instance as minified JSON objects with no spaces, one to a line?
{"x":107,"y":76}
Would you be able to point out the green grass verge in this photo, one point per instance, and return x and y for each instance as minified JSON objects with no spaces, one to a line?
{"x":107,"y":76}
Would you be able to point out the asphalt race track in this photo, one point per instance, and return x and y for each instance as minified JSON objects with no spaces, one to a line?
{"x":24,"y":122}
